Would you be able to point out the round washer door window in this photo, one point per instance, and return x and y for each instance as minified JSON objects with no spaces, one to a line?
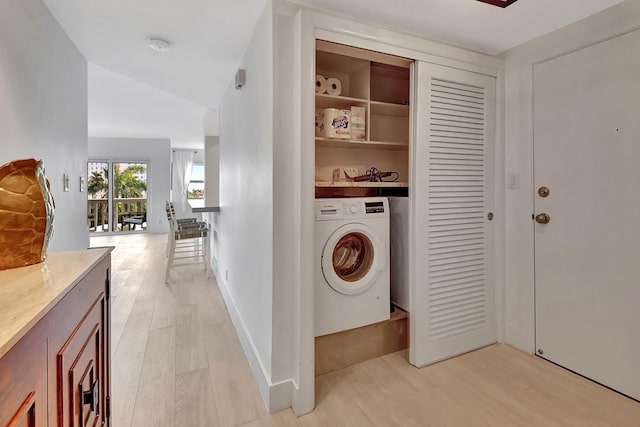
{"x":352,"y":259}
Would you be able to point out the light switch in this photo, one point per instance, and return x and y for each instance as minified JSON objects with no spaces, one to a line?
{"x":512,"y":180}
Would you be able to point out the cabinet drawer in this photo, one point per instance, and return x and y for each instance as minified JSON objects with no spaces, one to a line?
{"x":78,"y":349}
{"x":80,"y":372}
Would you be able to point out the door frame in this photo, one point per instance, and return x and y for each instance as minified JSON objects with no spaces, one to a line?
{"x":307,"y":26}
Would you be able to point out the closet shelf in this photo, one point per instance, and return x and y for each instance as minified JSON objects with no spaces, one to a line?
{"x":344,"y":102}
{"x":355,"y":143}
{"x":389,"y":109}
{"x":364,"y":184}
{"x":377,"y":107}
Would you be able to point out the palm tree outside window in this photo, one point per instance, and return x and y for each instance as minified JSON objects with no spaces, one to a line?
{"x":195,"y":189}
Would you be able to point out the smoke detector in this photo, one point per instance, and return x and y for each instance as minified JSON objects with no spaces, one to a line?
{"x":159,"y":44}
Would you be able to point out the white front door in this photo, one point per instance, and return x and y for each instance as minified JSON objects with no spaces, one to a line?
{"x":452,"y":288}
{"x":587,"y":257}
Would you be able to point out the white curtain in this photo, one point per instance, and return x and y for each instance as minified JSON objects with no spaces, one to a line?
{"x":182,"y":163}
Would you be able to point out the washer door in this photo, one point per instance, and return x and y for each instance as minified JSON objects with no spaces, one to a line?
{"x":352,"y":259}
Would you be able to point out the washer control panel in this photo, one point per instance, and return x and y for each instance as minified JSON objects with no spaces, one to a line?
{"x":374,"y":207}
{"x":361,"y":207}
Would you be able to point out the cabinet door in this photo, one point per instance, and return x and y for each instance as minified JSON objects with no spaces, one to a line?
{"x":26,"y":414}
{"x":452,"y":301}
{"x":81,"y":373}
{"x":23,"y":382}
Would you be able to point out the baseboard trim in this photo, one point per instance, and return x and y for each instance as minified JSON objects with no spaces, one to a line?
{"x":280,"y":395}
{"x":276,"y":396}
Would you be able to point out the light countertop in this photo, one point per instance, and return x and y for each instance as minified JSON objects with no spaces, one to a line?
{"x":28,"y":293}
{"x":206,"y":209}
{"x":200,"y":206}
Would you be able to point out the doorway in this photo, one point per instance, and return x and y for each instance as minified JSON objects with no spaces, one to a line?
{"x":587,"y":212}
{"x":117,"y":196}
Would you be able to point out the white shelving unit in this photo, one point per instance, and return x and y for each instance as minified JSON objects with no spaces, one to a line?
{"x":379,"y":83}
{"x":394,"y":184}
{"x":355,"y":143}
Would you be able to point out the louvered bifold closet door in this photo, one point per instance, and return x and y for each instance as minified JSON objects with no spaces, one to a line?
{"x":452,"y":280}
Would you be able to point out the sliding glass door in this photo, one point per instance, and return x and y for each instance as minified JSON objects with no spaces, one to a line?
{"x":98,"y":196}
{"x":117,"y":196}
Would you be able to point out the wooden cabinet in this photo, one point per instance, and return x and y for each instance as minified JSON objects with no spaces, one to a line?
{"x":57,"y":371}
{"x":380,"y":84}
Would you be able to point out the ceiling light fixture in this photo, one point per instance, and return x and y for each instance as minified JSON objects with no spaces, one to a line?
{"x":499,"y":3}
{"x":158,"y":44}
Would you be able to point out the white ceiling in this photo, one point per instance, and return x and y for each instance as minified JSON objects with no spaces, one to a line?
{"x":467,"y":23}
{"x":137,"y":92}
{"x":122,"y":107}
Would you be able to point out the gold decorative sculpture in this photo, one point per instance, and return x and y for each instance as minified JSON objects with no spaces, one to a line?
{"x":26,"y":213}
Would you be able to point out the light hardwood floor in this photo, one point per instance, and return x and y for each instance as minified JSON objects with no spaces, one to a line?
{"x":177,"y":362}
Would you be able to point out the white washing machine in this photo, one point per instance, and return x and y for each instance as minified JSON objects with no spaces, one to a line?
{"x":351,"y":263}
{"x":399,"y":255}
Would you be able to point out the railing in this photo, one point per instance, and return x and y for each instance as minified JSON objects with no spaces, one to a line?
{"x":97,"y":212}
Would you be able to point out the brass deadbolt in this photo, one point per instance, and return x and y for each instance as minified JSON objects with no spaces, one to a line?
{"x":544,"y":191}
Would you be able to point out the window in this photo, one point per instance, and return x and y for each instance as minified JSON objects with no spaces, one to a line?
{"x":195,"y":189}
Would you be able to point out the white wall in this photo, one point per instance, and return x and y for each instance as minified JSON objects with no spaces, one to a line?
{"x":43,"y":109}
{"x":244,"y":225}
{"x":157,"y":152}
{"x":183,"y":209}
{"x":212,"y":192}
{"x":212,"y":170}
{"x":286,"y":163}
{"x":520,"y":320}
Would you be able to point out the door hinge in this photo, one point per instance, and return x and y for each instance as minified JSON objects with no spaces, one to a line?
{"x":107,"y":285}
{"x":108,"y":407}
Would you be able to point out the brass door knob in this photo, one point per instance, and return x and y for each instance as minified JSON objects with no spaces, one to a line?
{"x":544,"y":192}
{"x":543,"y":218}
